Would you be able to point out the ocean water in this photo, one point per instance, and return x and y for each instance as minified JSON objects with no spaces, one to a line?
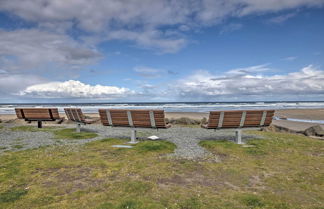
{"x":171,"y":107}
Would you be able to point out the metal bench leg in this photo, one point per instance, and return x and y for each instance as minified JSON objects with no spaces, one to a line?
{"x":133,"y":137}
{"x":78,"y":127}
{"x":39,"y":124}
{"x":238,"y":135}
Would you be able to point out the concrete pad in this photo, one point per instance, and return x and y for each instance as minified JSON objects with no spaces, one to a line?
{"x":122,"y":146}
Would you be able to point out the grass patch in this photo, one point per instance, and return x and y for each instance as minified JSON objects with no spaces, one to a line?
{"x":12,"y":195}
{"x":155,"y":146}
{"x":1,"y":127}
{"x":18,"y":146}
{"x":2,"y":147}
{"x":288,"y":174}
{"x":70,"y":133}
{"x":32,"y":128}
{"x":252,"y":201}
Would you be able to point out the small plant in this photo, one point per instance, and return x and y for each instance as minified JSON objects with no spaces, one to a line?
{"x":130,"y":204}
{"x":191,"y":203}
{"x":252,"y":201}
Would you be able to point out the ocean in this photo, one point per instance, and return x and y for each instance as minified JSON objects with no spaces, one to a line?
{"x":171,"y":106}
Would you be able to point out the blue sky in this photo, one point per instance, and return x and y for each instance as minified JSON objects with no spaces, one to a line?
{"x":144,"y":51}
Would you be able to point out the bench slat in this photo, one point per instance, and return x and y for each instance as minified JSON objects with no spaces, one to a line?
{"x":239,"y":118}
{"x":134,"y":118}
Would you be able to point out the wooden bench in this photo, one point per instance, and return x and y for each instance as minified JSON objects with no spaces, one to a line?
{"x":76,"y":115}
{"x":134,"y":119}
{"x":38,"y":114}
{"x":239,"y":119}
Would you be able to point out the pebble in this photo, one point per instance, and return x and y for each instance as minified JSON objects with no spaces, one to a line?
{"x":185,"y":138}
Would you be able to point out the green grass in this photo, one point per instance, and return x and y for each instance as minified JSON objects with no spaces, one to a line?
{"x":59,"y":133}
{"x":18,"y":146}
{"x":279,"y":172}
{"x":148,"y":146}
{"x":70,"y":133}
{"x":1,"y":127}
{"x":32,"y":128}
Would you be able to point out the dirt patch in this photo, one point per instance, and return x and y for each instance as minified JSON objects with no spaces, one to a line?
{"x":71,"y":179}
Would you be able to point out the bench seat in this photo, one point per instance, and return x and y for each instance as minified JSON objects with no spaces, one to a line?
{"x":238,"y":119}
{"x":154,"y":119}
{"x":38,"y":114}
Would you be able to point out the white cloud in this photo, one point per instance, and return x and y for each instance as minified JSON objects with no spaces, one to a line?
{"x":251,"y":69}
{"x":282,"y":18}
{"x":291,"y":58}
{"x":26,"y":49}
{"x":149,"y":38}
{"x":147,"y":72}
{"x":75,"y":90}
{"x":205,"y":85}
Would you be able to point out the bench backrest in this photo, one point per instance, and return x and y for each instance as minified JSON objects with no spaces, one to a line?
{"x":74,"y":114}
{"x":240,"y":118}
{"x":133,"y":118}
{"x":37,"y":113}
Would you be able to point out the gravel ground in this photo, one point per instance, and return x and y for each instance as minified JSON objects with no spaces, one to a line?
{"x":185,"y":138}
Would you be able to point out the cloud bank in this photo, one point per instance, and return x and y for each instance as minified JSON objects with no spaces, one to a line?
{"x":74,"y":89}
{"x":242,"y":84}
{"x":248,"y":83}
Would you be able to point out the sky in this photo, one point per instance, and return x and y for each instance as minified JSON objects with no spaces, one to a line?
{"x":161,"y":50}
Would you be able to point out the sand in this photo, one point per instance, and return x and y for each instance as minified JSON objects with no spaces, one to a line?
{"x":309,"y":114}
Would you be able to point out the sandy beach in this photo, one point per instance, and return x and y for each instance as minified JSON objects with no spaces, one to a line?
{"x":307,"y":114}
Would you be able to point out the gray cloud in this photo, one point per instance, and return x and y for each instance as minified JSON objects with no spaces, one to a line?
{"x":140,"y":21}
{"x":13,"y":83}
{"x":27,"y":49}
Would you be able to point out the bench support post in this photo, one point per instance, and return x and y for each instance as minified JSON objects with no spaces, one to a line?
{"x":39,"y":124}
{"x":133,"y":137}
{"x":238,"y":136}
{"x":78,"y":127}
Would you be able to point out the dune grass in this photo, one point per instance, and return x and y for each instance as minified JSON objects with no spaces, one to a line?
{"x":281,"y":171}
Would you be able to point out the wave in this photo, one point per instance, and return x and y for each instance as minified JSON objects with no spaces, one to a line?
{"x":172,"y":107}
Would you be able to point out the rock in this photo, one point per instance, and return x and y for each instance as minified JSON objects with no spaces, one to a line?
{"x":317,"y":130}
